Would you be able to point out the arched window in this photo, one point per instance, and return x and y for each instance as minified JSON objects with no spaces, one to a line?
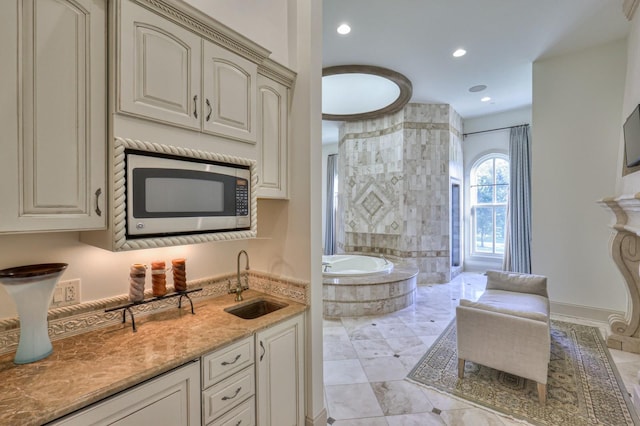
{"x":489,"y":185}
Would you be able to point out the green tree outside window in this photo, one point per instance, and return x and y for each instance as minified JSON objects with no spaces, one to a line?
{"x":489,"y":193}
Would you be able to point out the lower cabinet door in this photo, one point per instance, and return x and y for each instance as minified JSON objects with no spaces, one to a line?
{"x":172,"y":399}
{"x":280,"y":374}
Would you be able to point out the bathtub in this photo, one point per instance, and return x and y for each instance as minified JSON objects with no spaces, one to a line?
{"x":355,"y":286}
{"x":350,"y":265}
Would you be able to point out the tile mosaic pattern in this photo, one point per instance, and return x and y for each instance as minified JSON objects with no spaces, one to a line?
{"x":394,"y":179}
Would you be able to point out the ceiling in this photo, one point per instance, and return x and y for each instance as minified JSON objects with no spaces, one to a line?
{"x":502,"y":39}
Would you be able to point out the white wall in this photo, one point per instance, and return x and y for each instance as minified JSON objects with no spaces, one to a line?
{"x":631,"y":183}
{"x":103,"y":273}
{"x":577,"y":102}
{"x":514,"y":117}
{"x":271,"y":32}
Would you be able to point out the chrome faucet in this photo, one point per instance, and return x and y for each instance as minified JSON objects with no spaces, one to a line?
{"x":239,"y":287}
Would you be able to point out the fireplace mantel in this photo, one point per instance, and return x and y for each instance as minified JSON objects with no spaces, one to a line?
{"x":626,"y":209}
{"x":625,"y":250}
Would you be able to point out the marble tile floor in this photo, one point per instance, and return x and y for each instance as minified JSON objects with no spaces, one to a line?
{"x":366,"y":360}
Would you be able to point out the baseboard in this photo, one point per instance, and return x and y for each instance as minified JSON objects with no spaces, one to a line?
{"x":320,"y":420}
{"x":580,"y":311}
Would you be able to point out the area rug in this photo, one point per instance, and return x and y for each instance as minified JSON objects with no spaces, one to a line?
{"x":583,"y":388}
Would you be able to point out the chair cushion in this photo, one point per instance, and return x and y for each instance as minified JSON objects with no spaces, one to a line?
{"x":513,"y":281}
{"x":523,"y":305}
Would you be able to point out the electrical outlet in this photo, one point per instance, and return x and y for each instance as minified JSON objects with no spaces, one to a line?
{"x":66,"y":293}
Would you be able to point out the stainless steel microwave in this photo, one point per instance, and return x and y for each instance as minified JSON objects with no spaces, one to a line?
{"x":170,"y":195}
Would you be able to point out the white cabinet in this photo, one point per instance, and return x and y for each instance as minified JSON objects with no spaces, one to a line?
{"x":162,"y":66}
{"x":53,"y":115}
{"x":280,"y":374}
{"x":229,"y":94}
{"x":159,"y":74}
{"x":228,"y":385}
{"x":172,"y":399}
{"x":273,"y":127}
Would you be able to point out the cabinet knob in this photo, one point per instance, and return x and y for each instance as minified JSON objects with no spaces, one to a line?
{"x":263,"y":350}
{"x":97,"y":209}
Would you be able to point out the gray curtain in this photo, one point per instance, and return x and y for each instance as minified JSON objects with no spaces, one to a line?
{"x":330,"y":221}
{"x":518,"y":234}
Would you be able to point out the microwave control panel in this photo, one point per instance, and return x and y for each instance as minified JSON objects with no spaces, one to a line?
{"x":242,"y":197}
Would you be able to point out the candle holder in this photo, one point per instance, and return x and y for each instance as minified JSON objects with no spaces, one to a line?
{"x":179,"y":268}
{"x":158,"y":278}
{"x":137,"y":274}
{"x":31,"y":288}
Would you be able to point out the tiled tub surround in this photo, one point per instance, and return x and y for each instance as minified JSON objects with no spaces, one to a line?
{"x":71,"y":320}
{"x":89,"y":367}
{"x":394,"y":186}
{"x":375,"y":294}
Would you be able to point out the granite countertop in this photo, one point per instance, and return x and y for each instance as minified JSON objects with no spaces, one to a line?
{"x":88,"y":367}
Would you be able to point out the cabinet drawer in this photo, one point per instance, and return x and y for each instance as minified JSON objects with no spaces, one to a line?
{"x":220,"y":397}
{"x":226,"y":361}
{"x":243,"y":415}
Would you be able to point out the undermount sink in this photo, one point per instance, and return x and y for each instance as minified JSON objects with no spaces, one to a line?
{"x":255,"y":308}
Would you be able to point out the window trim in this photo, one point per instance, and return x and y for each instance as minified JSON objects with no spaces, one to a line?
{"x":473,"y":205}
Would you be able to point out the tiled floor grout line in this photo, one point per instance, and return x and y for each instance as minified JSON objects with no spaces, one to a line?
{"x":432,"y":312}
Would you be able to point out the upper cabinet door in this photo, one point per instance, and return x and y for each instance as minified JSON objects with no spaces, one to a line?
{"x":229,"y":94}
{"x":53,"y":154}
{"x":273,"y":113}
{"x":159,"y":72}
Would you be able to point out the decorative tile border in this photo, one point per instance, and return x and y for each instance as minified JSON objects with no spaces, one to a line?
{"x":85,"y":317}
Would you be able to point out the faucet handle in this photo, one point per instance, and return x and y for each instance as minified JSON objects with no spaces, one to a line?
{"x":229,"y":289}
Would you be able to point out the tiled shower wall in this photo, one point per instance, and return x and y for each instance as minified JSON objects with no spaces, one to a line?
{"x":394,"y":186}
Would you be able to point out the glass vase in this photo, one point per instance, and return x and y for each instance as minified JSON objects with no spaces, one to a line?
{"x":31,"y":288}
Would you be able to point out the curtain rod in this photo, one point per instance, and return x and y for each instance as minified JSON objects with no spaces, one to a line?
{"x":464,"y":135}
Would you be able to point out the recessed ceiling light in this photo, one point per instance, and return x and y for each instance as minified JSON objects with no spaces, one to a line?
{"x":478,"y":88}
{"x":344,"y":29}
{"x":485,"y":99}
{"x":458,"y":53}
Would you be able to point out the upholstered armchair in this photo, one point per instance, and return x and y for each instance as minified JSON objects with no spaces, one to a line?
{"x":508,"y":327}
